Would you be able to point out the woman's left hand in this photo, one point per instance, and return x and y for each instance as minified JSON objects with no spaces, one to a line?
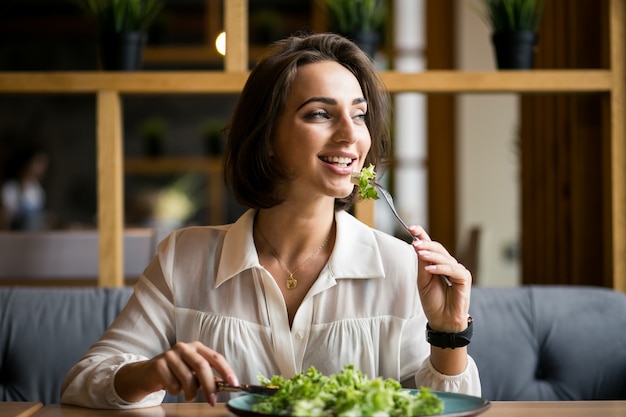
{"x":446,"y":307}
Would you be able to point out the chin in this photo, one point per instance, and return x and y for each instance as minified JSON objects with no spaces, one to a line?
{"x":344,"y":193}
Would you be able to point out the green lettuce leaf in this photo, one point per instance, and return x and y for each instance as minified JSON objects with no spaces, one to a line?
{"x":349,"y":393}
{"x":366,"y":188}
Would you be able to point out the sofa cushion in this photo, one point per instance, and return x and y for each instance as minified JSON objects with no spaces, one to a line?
{"x":530,"y":343}
{"x":44,"y":331}
{"x":550,"y":342}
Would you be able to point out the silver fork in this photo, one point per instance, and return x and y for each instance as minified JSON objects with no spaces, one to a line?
{"x":389,"y":200}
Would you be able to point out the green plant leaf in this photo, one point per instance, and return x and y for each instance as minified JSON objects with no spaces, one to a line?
{"x":511,"y":15}
{"x":351,"y":16}
{"x":122,"y":15}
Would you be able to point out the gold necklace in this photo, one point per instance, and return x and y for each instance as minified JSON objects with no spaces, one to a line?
{"x":292,"y":282}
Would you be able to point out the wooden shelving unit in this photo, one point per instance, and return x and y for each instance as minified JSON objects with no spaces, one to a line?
{"x":210,"y":167}
{"x":213,"y":82}
{"x":108,"y":87}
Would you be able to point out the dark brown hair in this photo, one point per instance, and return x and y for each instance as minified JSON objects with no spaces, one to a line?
{"x":249,"y":169}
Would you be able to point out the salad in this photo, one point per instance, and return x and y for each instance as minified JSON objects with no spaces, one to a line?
{"x":364,"y":180}
{"x":349,"y":393}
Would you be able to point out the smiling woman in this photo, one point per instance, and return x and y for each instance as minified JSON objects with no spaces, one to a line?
{"x":261,"y":295}
{"x":253,"y":174}
{"x":330,"y":128}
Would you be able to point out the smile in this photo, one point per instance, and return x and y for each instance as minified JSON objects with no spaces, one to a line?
{"x":340,"y":161}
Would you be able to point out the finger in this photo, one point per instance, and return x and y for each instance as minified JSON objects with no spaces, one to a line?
{"x":200,"y":369}
{"x":434,"y":254}
{"x":220,"y":365}
{"x":167,"y":379}
{"x":456,"y":273}
{"x":419,"y":232}
{"x":181,"y":363}
{"x":432,"y":246}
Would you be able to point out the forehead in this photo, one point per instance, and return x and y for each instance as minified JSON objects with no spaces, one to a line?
{"x":325,"y":78}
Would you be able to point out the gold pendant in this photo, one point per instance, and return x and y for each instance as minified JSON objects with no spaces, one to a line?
{"x":292,"y":283}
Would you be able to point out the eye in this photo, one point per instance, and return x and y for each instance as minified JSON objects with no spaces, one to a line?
{"x":360,"y":117}
{"x":317,"y":114}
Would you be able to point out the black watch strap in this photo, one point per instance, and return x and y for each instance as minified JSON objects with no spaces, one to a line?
{"x":450,"y":340}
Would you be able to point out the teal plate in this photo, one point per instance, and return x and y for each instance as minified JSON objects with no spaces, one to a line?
{"x":454,"y":405}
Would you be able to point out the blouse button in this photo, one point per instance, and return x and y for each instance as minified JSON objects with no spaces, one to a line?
{"x":299,"y":335}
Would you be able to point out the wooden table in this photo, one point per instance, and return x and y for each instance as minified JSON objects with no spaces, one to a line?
{"x":497,"y":409}
{"x":18,"y":409}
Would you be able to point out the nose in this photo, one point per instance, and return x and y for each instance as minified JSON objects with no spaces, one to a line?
{"x":346,"y":130}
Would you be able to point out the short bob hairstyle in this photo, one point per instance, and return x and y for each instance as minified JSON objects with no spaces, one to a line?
{"x":249,"y":170}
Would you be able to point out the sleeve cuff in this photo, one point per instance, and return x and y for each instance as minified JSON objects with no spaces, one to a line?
{"x":113,"y":398}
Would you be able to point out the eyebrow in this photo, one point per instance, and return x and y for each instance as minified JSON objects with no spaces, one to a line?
{"x":327,"y":100}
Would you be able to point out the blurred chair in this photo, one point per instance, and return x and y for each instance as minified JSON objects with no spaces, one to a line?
{"x":469,"y":254}
{"x":550,"y":342}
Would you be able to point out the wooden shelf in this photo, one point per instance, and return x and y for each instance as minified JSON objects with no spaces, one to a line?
{"x":109,"y":86}
{"x":217,"y":82}
{"x":149,"y":165}
{"x":535,"y":81}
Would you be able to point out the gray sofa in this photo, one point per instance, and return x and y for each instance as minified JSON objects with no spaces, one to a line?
{"x":530,"y":343}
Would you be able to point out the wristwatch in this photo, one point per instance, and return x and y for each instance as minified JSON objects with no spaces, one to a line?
{"x":450,"y":340}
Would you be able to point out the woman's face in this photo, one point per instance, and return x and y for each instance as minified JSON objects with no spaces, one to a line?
{"x":321,"y":136}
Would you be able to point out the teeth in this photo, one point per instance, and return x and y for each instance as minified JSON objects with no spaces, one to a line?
{"x":339,"y":160}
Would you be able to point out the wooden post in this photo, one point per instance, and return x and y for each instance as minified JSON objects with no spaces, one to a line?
{"x":617,"y":148}
{"x":236,"y":25}
{"x":110,"y":189}
{"x":364,"y":211}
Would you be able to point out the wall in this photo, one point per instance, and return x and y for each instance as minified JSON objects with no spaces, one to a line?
{"x":488,"y":174}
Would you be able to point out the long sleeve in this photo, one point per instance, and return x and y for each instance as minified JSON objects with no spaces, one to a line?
{"x":90,"y":383}
{"x":467,"y":382}
{"x":144,"y":329}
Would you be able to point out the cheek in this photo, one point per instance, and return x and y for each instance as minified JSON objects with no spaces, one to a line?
{"x":365,"y":141}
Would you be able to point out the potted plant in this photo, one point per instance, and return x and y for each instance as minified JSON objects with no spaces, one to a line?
{"x":122,"y":28}
{"x":514,"y":30}
{"x":153,"y":132}
{"x":213,"y":137}
{"x":360,"y":20}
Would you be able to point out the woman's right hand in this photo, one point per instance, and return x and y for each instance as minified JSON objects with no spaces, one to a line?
{"x":186,"y":367}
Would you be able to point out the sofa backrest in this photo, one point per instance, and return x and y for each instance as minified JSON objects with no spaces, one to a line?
{"x":530,"y":343}
{"x":550,"y":342}
{"x":44,"y":331}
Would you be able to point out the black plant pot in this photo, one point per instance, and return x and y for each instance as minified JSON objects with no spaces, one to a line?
{"x":515,"y":50}
{"x":122,"y":51}
{"x":153,"y":145}
{"x":215,"y":144}
{"x":366,"y":40}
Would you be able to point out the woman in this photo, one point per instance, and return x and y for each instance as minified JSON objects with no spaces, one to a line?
{"x":22,"y":197}
{"x":296,"y":281}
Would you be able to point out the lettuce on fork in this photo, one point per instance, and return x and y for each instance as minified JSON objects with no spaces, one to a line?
{"x":349,"y":393}
{"x":364,"y":180}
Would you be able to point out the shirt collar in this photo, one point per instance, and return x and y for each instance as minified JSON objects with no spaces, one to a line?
{"x":238,"y":251}
{"x":355,"y":254}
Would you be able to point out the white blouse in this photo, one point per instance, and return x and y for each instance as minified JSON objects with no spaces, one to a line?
{"x":206,"y":284}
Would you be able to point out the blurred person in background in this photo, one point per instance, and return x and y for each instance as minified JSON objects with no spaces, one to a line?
{"x":23,"y":197}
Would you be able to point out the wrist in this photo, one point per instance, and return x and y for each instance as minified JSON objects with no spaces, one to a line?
{"x":129,"y":380}
{"x":450,"y":340}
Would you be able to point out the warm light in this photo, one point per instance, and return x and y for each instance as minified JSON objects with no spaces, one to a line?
{"x":220,"y":43}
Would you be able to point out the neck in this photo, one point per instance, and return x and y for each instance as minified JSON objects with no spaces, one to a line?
{"x":292,"y":237}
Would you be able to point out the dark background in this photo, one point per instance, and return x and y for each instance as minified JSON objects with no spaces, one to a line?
{"x":54,"y":35}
